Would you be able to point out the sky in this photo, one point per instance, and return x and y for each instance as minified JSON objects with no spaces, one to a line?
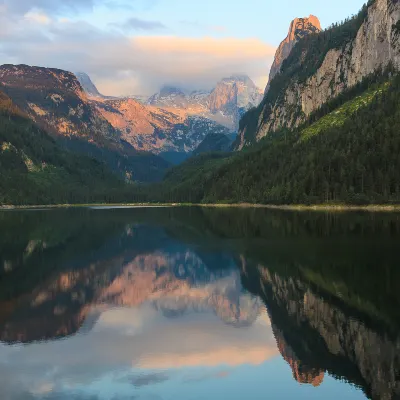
{"x":133,"y":47}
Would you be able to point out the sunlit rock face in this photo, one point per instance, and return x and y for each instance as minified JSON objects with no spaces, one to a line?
{"x":56,"y":100}
{"x":299,"y":28}
{"x":157,"y":129}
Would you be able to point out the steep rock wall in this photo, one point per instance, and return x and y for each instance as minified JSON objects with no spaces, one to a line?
{"x":376,"y":45}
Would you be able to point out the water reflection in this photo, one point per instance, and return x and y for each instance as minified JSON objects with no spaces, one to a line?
{"x":192,"y":303}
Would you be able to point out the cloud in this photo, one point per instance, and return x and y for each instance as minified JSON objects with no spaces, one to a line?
{"x":148,"y":379}
{"x":123,"y":65}
{"x":53,"y":6}
{"x":59,"y":6}
{"x":38,"y":17}
{"x":140,"y":24}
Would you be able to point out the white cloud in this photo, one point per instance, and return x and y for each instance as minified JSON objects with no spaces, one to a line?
{"x":37,"y":17}
{"x":122,"y":65}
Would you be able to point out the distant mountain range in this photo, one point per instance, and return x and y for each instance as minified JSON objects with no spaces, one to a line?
{"x":173,"y":120}
{"x":135,"y":137}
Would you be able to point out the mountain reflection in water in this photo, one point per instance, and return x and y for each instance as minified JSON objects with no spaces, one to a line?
{"x":198,"y":303}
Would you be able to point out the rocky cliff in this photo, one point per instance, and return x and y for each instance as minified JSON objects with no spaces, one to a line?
{"x":322,"y":66}
{"x":299,"y":28}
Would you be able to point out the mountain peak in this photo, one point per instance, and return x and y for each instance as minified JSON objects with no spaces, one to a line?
{"x":301,"y":27}
{"x":171,"y":91}
{"x":88,"y":86}
{"x":298,"y":29}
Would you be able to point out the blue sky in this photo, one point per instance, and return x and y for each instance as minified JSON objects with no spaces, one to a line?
{"x":263,"y":19}
{"x":136,"y":46}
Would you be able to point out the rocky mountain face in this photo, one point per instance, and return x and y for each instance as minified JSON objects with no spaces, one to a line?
{"x":299,"y":28}
{"x":55,"y":100}
{"x":362,"y":45}
{"x":87,"y":85}
{"x":232,"y":97}
{"x":224,"y":104}
{"x":157,"y":129}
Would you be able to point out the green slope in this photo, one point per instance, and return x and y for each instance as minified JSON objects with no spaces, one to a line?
{"x":35,"y":170}
{"x":338,"y":117}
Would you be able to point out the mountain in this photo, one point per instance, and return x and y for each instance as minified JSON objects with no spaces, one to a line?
{"x":34,"y":169}
{"x":172,"y":122}
{"x":214,"y":142}
{"x":299,"y":28}
{"x":87,"y":85}
{"x":55,"y":100}
{"x":322,"y":66}
{"x":232,"y":97}
{"x":343,"y":151}
{"x":348,"y":155}
{"x":155,"y":129}
{"x":170,"y":97}
{"x":225,"y":104}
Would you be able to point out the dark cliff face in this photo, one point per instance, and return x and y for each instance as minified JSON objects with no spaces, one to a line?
{"x":214,"y":142}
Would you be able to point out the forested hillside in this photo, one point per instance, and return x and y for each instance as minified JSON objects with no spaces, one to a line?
{"x":35,"y":170}
{"x":347,"y":152}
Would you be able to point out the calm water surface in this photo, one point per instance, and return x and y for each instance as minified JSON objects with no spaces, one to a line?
{"x":188,"y":303}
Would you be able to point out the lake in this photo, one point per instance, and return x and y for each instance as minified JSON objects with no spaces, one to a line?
{"x":199,"y":303}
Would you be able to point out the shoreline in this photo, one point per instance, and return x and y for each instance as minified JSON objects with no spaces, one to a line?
{"x":288,"y":207}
